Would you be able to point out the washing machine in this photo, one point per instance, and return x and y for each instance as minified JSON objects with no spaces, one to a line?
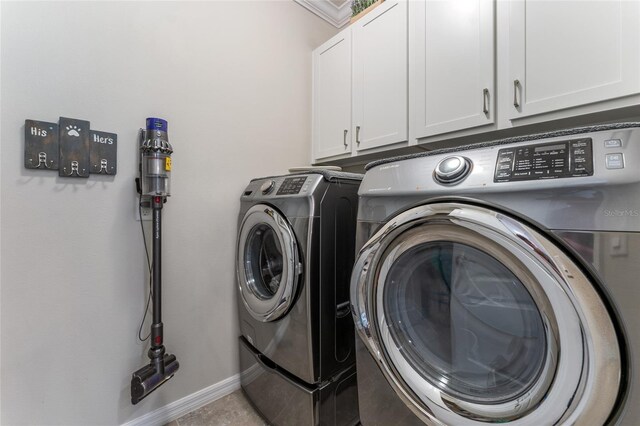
{"x":499,"y":283}
{"x":295,"y":251}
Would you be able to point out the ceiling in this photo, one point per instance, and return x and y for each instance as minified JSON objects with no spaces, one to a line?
{"x":336,"y":12}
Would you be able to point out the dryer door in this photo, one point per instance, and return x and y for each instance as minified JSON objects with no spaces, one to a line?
{"x":475,"y":318}
{"x":267,"y":263}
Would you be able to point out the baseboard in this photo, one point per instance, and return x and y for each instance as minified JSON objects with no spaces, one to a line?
{"x":189,"y":403}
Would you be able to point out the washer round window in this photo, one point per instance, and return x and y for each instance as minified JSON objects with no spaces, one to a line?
{"x":464,"y":322}
{"x":263,"y":261}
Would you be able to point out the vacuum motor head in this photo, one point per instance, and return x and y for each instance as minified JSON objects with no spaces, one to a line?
{"x":155,"y":155}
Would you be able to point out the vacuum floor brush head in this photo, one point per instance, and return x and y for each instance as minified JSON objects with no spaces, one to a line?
{"x":152,"y":376}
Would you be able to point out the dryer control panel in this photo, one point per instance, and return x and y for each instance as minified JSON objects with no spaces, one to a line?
{"x":282,"y":187}
{"x":291,"y":186}
{"x":571,"y":158}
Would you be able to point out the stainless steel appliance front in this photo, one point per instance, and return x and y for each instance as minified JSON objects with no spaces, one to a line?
{"x":294,"y":256}
{"x":499,"y":301}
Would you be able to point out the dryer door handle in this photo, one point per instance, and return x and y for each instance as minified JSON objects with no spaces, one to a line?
{"x":343,"y":309}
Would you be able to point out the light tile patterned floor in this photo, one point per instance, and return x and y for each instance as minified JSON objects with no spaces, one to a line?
{"x":233,"y":409}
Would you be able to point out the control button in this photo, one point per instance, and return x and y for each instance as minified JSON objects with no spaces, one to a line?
{"x":267,"y":187}
{"x":450,"y":165}
{"x":452,"y":169}
{"x":614,"y":161}
{"x":613,"y":143}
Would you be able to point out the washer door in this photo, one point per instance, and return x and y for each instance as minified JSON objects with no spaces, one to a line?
{"x":267,"y":263}
{"x":474,"y":317}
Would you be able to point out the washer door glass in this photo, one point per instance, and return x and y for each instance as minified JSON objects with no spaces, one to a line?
{"x":267,"y":263}
{"x":264,"y":261}
{"x":464,"y":321}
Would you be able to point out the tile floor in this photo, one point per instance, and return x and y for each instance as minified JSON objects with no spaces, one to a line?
{"x":233,"y":409}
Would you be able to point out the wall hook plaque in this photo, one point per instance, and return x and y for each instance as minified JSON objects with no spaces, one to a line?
{"x":70,"y":147}
{"x":74,"y":147}
{"x":104,"y":150}
{"x":40,"y":145}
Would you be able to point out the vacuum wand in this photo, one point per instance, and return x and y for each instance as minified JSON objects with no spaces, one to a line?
{"x":155,"y":156}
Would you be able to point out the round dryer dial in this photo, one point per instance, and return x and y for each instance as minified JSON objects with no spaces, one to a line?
{"x":452,"y":170}
{"x":267,"y":187}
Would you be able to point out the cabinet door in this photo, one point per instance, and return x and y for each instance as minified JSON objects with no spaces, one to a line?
{"x":332,"y":97}
{"x":380,"y":76}
{"x":452,"y":52}
{"x":569,"y":53}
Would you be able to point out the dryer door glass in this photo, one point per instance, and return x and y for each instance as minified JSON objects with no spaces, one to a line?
{"x":464,"y":321}
{"x":264,"y":262}
{"x":267,"y":263}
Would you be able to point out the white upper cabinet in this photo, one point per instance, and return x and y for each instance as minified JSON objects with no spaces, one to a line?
{"x":451,"y":60}
{"x":422,"y":71}
{"x":565,"y":54}
{"x":380,"y":76}
{"x":332,"y":97}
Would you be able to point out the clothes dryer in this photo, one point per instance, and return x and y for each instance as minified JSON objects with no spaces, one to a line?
{"x":295,"y":251}
{"x":498,"y":283}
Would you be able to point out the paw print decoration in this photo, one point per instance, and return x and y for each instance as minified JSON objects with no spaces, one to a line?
{"x":75,"y":148}
{"x":73,"y":130}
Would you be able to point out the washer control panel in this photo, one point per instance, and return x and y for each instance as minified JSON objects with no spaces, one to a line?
{"x":570,"y":158}
{"x":292,"y":185}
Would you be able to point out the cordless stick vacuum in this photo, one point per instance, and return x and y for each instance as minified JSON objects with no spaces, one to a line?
{"x":153,"y":185}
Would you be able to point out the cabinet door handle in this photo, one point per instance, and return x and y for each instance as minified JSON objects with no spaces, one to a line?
{"x":485,"y":101}
{"x":358,"y":135}
{"x":345,"y":138}
{"x":516,"y":88}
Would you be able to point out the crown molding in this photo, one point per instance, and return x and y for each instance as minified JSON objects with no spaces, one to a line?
{"x":338,"y":16}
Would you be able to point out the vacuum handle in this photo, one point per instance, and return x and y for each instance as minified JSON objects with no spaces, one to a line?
{"x":156,"y":225}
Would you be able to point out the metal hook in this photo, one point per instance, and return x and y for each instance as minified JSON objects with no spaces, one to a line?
{"x":74,"y":169}
{"x":103,"y":166}
{"x":42,"y":160}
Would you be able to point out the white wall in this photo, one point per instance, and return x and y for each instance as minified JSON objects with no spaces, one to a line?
{"x":233,"y":80}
